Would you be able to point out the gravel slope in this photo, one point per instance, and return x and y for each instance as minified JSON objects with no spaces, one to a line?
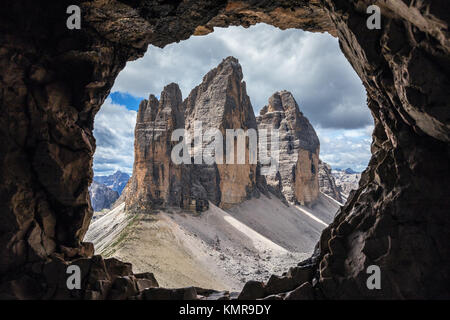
{"x":216,"y":249}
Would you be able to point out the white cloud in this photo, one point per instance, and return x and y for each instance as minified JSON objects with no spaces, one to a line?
{"x":114,"y":132}
{"x":309,"y":65}
{"x":345,"y":148}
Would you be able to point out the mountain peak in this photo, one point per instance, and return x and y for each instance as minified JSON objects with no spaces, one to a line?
{"x":115,"y":181}
{"x":299,"y":144}
{"x":229,"y":67}
{"x":220,"y":97}
{"x":230,"y":62}
{"x":281,"y":101}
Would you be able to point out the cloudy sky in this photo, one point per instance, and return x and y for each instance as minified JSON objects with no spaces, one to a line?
{"x":310,"y":65}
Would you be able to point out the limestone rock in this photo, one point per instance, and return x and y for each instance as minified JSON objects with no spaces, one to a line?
{"x":327,"y":183}
{"x":54,"y":80}
{"x":221,"y":102}
{"x":252,"y":290}
{"x":156,"y":180}
{"x":297,"y":178}
{"x":303,"y":292}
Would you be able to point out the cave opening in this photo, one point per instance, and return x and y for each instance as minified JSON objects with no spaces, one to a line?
{"x":323,"y":89}
{"x":48,"y":145}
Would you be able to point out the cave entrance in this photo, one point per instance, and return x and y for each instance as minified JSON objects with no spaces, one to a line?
{"x":55,"y":80}
{"x":281,"y":65}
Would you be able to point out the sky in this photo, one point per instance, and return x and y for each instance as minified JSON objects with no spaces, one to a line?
{"x":310,"y":65}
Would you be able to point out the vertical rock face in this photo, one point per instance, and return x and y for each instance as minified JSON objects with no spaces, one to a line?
{"x":221,"y":102}
{"x":327,"y":183}
{"x":297,"y":179}
{"x":156,"y":179}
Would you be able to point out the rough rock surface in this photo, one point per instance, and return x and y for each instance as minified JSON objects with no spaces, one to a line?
{"x":219,"y":102}
{"x":102,"y":197}
{"x":100,"y":279}
{"x":54,"y":80}
{"x":297,"y":177}
{"x":327,"y":182}
{"x":156,"y":180}
{"x":116,"y":181}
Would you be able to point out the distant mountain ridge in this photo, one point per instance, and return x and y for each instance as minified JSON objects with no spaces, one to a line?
{"x":346,"y":181}
{"x":102,"y":197}
{"x":348,"y":170}
{"x":117,"y":181}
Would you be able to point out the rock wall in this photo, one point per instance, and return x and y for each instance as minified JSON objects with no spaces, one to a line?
{"x":297,"y":178}
{"x":327,"y":183}
{"x":219,"y":102}
{"x":54,"y":80}
{"x":383,"y":222}
{"x":157,"y":180}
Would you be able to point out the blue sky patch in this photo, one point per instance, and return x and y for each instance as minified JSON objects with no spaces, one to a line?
{"x":126,"y":99}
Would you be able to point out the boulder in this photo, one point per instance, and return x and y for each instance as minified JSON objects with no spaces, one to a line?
{"x":304,"y":292}
{"x":252,"y":290}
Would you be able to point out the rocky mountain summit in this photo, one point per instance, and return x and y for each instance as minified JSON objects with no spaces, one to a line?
{"x":219,"y":103}
{"x":297,"y":177}
{"x":117,"y":181}
{"x":157,"y":181}
{"x":102,"y":197}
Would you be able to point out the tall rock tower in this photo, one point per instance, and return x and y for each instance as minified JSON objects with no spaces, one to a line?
{"x":156,"y":180}
{"x":297,"y":178}
{"x":221,"y":102}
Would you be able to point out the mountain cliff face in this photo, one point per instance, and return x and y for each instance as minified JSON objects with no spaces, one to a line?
{"x":102,"y":197}
{"x":221,"y":103}
{"x":297,"y":178}
{"x":156,"y":180}
{"x":327,"y":183}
